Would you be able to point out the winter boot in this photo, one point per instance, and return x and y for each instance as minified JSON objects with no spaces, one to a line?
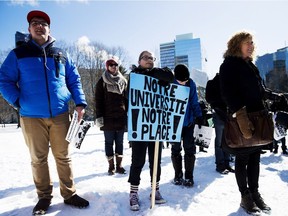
{"x":271,"y":146}
{"x":201,"y":149}
{"x":248,"y":204}
{"x":119,"y":168}
{"x":228,"y":167}
{"x":284,"y":149}
{"x":260,"y":202}
{"x":275,"y":148}
{"x":221,"y":168}
{"x":189,"y":162}
{"x":77,"y":201}
{"x":111,"y":169}
{"x":177,"y":164}
{"x":41,"y":207}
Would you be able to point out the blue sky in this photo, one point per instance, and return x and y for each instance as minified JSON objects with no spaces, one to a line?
{"x":142,"y":25}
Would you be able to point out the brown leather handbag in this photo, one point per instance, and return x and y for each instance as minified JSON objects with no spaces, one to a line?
{"x":263,"y":134}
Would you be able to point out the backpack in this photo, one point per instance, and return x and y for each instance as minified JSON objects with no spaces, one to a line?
{"x":214,"y":98}
{"x":213,"y":94}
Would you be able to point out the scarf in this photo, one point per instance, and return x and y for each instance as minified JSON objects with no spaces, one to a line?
{"x":115,"y":84}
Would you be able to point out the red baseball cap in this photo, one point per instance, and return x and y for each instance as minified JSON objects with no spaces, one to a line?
{"x":37,"y":13}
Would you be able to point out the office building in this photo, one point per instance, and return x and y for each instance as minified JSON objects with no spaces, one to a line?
{"x":273,"y":61}
{"x":185,"y":50}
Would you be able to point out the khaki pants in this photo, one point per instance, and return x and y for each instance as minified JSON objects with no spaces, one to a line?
{"x":38,"y":133}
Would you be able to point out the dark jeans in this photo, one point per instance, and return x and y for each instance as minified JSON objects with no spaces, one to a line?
{"x":138,"y":160}
{"x":110,"y":137}
{"x":221,"y":157}
{"x":283,"y":142}
{"x":188,"y":143}
{"x":247,"y":169}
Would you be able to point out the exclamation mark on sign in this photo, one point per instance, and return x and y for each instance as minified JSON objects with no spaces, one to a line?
{"x":175,"y":126}
{"x":135,"y":113}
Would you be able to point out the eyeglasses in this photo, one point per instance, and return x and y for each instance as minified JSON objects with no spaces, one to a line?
{"x":36,"y":23}
{"x":146,"y":58}
{"x":111,"y":65}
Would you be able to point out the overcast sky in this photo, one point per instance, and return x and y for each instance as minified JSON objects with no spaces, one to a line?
{"x":141,"y":25}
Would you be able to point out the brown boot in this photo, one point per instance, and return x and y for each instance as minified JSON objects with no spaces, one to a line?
{"x":119,"y":168}
{"x":111,"y":169}
{"x":248,"y":204}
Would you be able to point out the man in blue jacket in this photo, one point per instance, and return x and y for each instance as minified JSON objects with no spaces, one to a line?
{"x":39,"y":79}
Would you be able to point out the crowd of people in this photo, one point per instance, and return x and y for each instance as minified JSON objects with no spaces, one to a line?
{"x":39,"y":79}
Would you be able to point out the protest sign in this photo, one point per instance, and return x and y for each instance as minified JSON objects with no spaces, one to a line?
{"x":77,"y":131}
{"x":155,"y":112}
{"x":203,"y":135}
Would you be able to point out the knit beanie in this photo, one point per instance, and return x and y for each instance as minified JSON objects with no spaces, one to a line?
{"x":181,"y":72}
{"x":112,"y":60}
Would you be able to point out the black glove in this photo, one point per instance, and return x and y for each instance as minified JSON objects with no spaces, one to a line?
{"x":167,"y":69}
{"x":283,"y":104}
{"x":163,"y":74}
{"x":279,"y":103}
{"x":199,"y":121}
{"x":163,"y":83}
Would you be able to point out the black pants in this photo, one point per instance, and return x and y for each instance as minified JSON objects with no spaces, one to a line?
{"x":247,"y":168}
{"x":138,"y":160}
{"x":188,"y":143}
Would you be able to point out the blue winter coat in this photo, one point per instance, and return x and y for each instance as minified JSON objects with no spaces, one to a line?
{"x":193,"y":109}
{"x":40,"y":81}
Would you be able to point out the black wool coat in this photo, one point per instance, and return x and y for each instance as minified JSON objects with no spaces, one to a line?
{"x":112,"y":107}
{"x":241,"y":85}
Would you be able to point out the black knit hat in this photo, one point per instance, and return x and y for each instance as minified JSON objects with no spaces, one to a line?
{"x":181,"y":72}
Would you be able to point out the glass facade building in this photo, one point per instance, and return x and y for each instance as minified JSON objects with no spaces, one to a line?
{"x":183,"y":50}
{"x":273,"y":61}
{"x":167,"y":55}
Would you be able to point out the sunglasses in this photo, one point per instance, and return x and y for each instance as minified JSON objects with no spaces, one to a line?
{"x":111,"y":65}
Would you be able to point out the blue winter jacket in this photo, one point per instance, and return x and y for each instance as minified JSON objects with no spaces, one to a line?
{"x":193,"y":109}
{"x":40,"y":81}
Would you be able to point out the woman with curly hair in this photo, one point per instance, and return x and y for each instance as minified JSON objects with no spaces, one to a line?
{"x":243,"y":92}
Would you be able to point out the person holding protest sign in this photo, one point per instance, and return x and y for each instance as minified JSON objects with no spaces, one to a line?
{"x":139,"y":148}
{"x":111,"y":113}
{"x":193,"y":115}
{"x":39,"y":79}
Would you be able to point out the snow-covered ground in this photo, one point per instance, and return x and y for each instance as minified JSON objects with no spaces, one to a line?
{"x":212,"y":194}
